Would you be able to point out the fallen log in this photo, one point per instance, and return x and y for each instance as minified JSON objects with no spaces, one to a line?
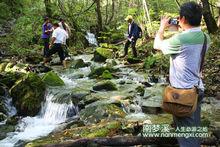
{"x":127,"y":141}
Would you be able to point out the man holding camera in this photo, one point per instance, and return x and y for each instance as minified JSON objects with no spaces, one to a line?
{"x":185,"y":60}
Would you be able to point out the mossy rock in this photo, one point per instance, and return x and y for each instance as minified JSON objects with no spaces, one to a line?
{"x":134,"y":60}
{"x":106,"y":75}
{"x":102,"y":129}
{"x":6,"y":129}
{"x":97,"y":72}
{"x":27,"y":94}
{"x":105,"y":85}
{"x":10,"y":78}
{"x":140,"y":90}
{"x":94,"y":114}
{"x":2,"y":66}
{"x":101,"y":54}
{"x":52,"y":79}
{"x":2,"y":116}
{"x":79,"y":63}
{"x":3,"y":109}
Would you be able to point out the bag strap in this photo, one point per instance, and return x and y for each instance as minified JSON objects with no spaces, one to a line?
{"x":203,"y":52}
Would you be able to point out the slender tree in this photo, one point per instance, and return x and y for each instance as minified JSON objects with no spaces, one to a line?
{"x":99,"y":16}
{"x":48,"y":7}
{"x":209,"y":20}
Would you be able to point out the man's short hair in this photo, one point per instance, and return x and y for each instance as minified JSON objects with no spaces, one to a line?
{"x":192,"y":13}
{"x":56,"y":24}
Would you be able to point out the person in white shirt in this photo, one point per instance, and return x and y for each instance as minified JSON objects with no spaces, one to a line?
{"x":57,"y":44}
{"x":63,"y":25}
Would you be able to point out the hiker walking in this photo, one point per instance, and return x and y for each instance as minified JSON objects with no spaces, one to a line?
{"x":63,"y":25}
{"x":133,"y":34}
{"x":57,"y":44}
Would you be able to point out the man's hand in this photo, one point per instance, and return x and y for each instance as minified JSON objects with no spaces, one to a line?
{"x":164,"y":23}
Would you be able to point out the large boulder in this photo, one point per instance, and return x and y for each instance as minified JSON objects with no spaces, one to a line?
{"x":52,"y":79}
{"x":101,"y":54}
{"x":107,"y":75}
{"x":105,"y":85}
{"x":96,"y":72}
{"x":28,"y":93}
{"x":79,"y":63}
{"x":94,"y":114}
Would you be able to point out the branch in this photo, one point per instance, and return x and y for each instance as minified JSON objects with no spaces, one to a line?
{"x":178,"y":4}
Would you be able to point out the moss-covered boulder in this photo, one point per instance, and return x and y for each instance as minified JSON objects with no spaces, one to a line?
{"x":107,"y":75}
{"x":10,"y":78}
{"x":105,"y":85}
{"x":97,"y":72}
{"x":52,"y":79}
{"x":101,"y":54}
{"x":94,"y":114}
{"x":103,"y":129}
{"x":79,"y":63}
{"x":28,"y":93}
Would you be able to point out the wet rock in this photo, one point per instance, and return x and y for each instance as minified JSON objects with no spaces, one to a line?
{"x":2,"y":90}
{"x":27,"y":94}
{"x":107,"y":75}
{"x":151,"y":103}
{"x":101,"y":54}
{"x":111,"y":62}
{"x":79,"y":63}
{"x":105,"y":85}
{"x":96,"y":72}
{"x":122,"y":82}
{"x":140,"y":90}
{"x":12,"y":120}
{"x":134,"y":60}
{"x":2,"y":116}
{"x":3,"y":109}
{"x":52,"y":79}
{"x":5,"y":129}
{"x":94,"y":114}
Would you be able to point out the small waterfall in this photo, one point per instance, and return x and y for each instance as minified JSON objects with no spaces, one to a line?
{"x":53,"y":113}
{"x":91,"y":38}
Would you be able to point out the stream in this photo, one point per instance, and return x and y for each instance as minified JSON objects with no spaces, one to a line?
{"x":58,"y":110}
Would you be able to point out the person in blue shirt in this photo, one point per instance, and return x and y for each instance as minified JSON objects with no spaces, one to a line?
{"x":46,"y":33}
{"x":133,"y":35}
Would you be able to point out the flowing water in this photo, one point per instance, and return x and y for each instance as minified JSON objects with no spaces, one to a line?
{"x":59,"y":109}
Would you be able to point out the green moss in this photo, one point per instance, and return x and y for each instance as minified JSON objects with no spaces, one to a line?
{"x":96,"y":72}
{"x":52,"y":79}
{"x":28,"y":93}
{"x":101,"y":54}
{"x":105,"y":85}
{"x":102,"y":129}
{"x":2,"y":66}
{"x":107,"y":75}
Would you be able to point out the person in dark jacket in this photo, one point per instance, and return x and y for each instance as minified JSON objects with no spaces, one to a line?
{"x":133,"y":35}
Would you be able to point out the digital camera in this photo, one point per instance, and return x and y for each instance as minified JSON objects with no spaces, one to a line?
{"x":173,"y":21}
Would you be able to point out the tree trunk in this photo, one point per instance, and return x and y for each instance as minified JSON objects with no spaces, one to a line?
{"x":99,"y":16}
{"x":48,"y":8}
{"x":209,"y":20}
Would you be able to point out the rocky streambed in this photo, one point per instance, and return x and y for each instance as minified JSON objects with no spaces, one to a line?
{"x":90,"y":99}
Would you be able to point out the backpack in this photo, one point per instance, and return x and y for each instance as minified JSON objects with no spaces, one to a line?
{"x":140,"y":33}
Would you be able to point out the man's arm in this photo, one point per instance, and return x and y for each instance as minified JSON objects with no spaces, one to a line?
{"x":52,"y":41}
{"x":159,"y":36}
